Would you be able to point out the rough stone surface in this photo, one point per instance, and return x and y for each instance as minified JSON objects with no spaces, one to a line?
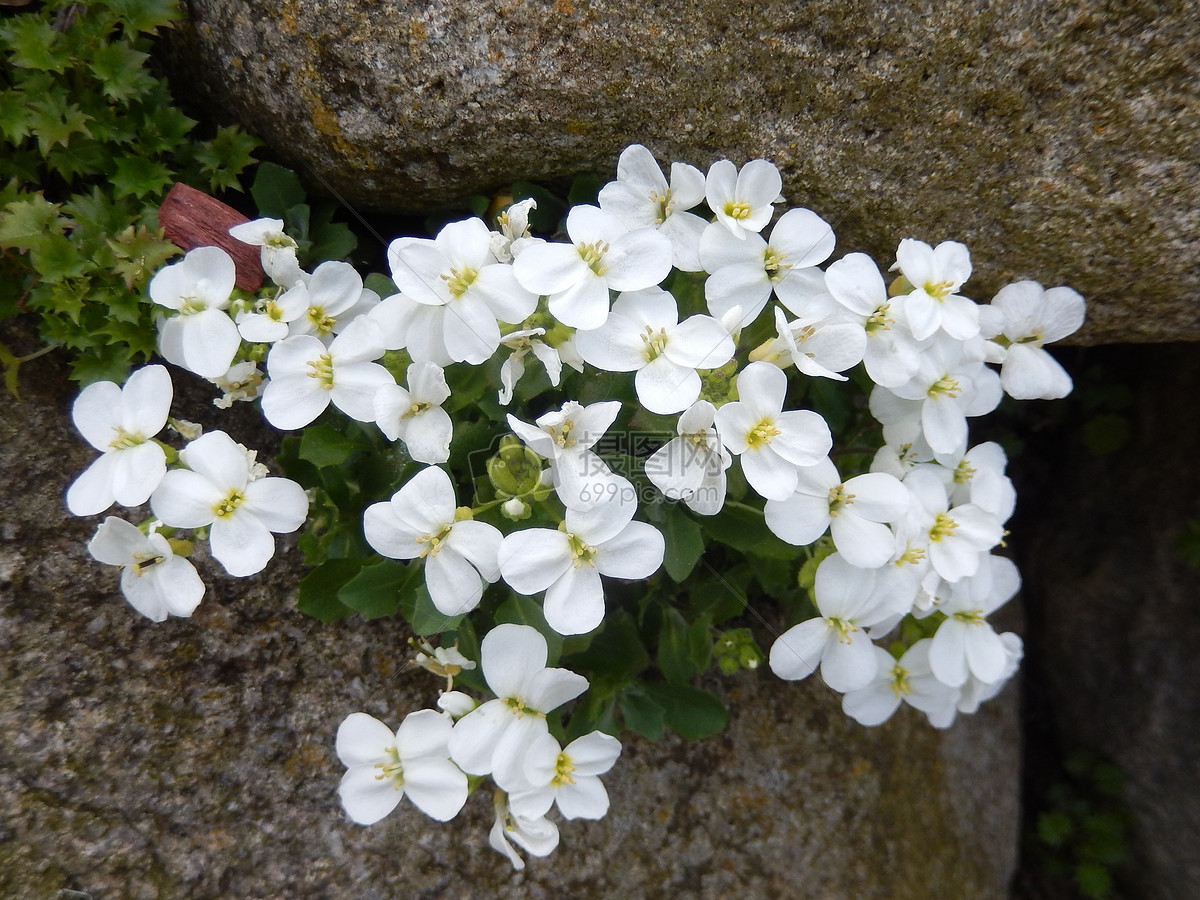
{"x":1057,"y":140}
{"x":1112,"y":605}
{"x":194,"y":758}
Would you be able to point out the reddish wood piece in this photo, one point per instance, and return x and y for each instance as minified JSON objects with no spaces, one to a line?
{"x":191,"y":218}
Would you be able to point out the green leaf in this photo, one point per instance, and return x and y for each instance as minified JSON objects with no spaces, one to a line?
{"x":1054,"y":828}
{"x":641,"y":712}
{"x":225,"y":157}
{"x":31,"y":39}
{"x":674,"y":647}
{"x":324,"y":445}
{"x":694,"y":713}
{"x":380,"y":284}
{"x":164,"y":129}
{"x":700,"y":643}
{"x":331,"y":240}
{"x":319,"y":589}
{"x":550,"y":209}
{"x":377,"y":589}
{"x":14,"y":119}
{"x":25,"y":223}
{"x":746,"y":530}
{"x":119,"y":68}
{"x":139,"y":253}
{"x":584,"y":189}
{"x":616,"y":653}
{"x":145,"y":16}
{"x":58,"y":258}
{"x":685,"y":543}
{"x":276,"y":190}
{"x":137,"y":176}
{"x":53,"y":120}
{"x":425,"y":618}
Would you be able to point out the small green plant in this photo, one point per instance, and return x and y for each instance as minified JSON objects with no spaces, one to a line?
{"x":1080,"y":834}
{"x":91,"y":141}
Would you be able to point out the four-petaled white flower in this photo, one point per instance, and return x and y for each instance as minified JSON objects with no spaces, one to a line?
{"x":935,"y":274}
{"x":771,"y":443}
{"x":1024,"y":318}
{"x":306,"y":376}
{"x":965,"y":643}
{"x":604,"y":253}
{"x":692,"y":467}
{"x":582,"y":480}
{"x":641,"y":197}
{"x":382,"y":767}
{"x":495,"y":738}
{"x":421,"y":522}
{"x":538,"y":836}
{"x":643,"y":334}
{"x":200,"y":337}
{"x":742,"y":200}
{"x":908,"y":679}
{"x":415,"y":415}
{"x":218,"y":490}
{"x":120,"y":423}
{"x":567,"y":776}
{"x":567,"y":563}
{"x":155,"y":581}
{"x":278,"y":253}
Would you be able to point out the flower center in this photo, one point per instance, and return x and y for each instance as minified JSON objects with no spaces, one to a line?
{"x":123,"y":440}
{"x":392,"y":770}
{"x":911,"y":555}
{"x":434,"y":541}
{"x":839,"y":499}
{"x":143,"y":561}
{"x":322,"y":322}
{"x":943,"y":526}
{"x":663,"y":205}
{"x":939,"y":290}
{"x":844,"y":627}
{"x":322,"y":370}
{"x":761,"y":434}
{"x":944,"y":387}
{"x":879,"y":320}
{"x":737,"y":209}
{"x":190,"y":305}
{"x":226,"y":507}
{"x":458,"y":280}
{"x":520,"y":708}
{"x":563,"y":767}
{"x":970,"y":616}
{"x":900,"y":685}
{"x":581,"y":552}
{"x":562,"y":434}
{"x":655,"y":344}
{"x":416,"y":409}
{"x":963,"y":472}
{"x":593,"y":255}
{"x":774,"y":265}
{"x":271,"y":310}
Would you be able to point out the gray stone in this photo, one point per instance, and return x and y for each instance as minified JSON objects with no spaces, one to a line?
{"x":194,"y":758}
{"x":1057,"y":140}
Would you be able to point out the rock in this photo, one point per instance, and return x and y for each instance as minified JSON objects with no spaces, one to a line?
{"x":194,"y":758}
{"x":1057,"y":141}
{"x":1113,"y":625}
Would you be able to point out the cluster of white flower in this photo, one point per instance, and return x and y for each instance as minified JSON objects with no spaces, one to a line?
{"x":914,"y":536}
{"x":431,"y":756}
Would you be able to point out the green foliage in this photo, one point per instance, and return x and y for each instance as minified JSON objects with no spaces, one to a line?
{"x":91,"y":141}
{"x":1081,"y":830}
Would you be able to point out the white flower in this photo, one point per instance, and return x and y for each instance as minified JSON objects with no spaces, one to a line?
{"x":742,"y":200}
{"x":200,"y":337}
{"x":746,"y":269}
{"x":770,"y":442}
{"x":974,"y":692}
{"x":566,"y":437}
{"x":853,"y":511}
{"x":513,"y":234}
{"x":1027,"y":318}
{"x":820,"y":348}
{"x":452,"y":292}
{"x":155,"y":581}
{"x":965,"y":643}
{"x":908,"y":679}
{"x":420,"y":521}
{"x":495,"y":738}
{"x":383,"y":767}
{"x":955,"y":539}
{"x":692,"y":467}
{"x":643,"y":334}
{"x":567,"y":776}
{"x":278,"y":252}
{"x":415,"y":415}
{"x":641,"y":197}
{"x":603,"y":254}
{"x":936,"y":274}
{"x":567,"y":563}
{"x":217,"y":490}
{"x":332,"y":297}
{"x":243,"y":381}
{"x":848,"y":601}
{"x":522,"y":343}
{"x":306,"y":376}
{"x":537,"y":836}
{"x":120,"y":423}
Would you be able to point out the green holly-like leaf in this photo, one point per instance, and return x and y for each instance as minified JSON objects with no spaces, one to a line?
{"x":225,"y":157}
{"x":164,"y":129}
{"x":31,"y":39}
{"x":54,"y":120}
{"x":136,"y":176}
{"x":145,"y":16}
{"x":119,"y":69}
{"x":26,"y":223}
{"x":139,"y":253}
{"x":14,"y":119}
{"x":57,"y":258}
